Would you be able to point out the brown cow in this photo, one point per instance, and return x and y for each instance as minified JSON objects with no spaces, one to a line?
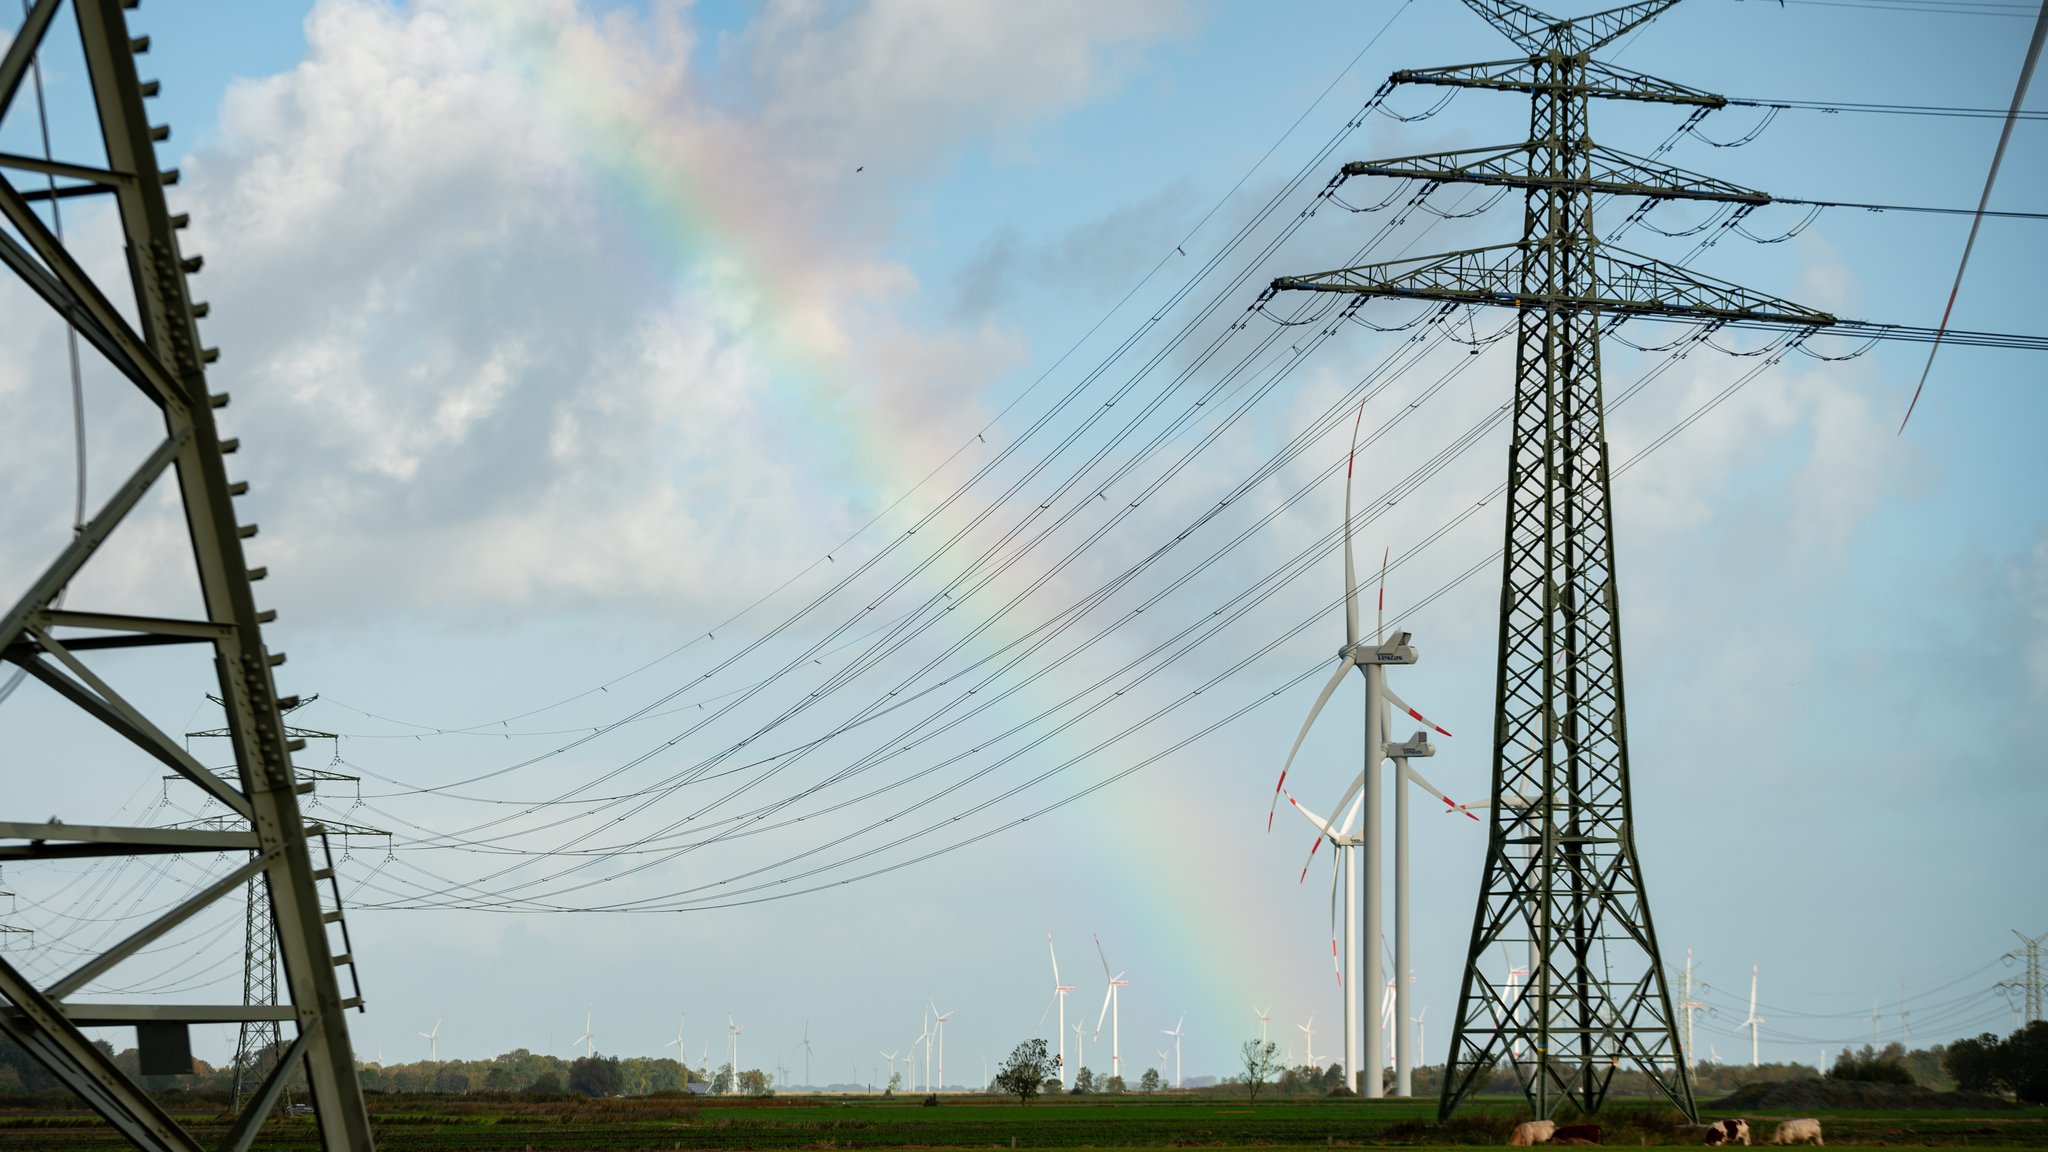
{"x":1576,"y":1134}
{"x":1530,"y":1132}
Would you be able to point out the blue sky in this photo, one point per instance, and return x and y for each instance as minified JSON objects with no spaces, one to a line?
{"x":557,"y":340}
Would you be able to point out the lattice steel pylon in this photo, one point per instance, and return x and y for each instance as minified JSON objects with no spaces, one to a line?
{"x":71,"y":650}
{"x":1561,"y":876}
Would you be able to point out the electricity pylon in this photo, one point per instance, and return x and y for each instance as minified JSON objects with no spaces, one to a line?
{"x":160,"y":354}
{"x":1597,"y":998}
{"x":260,"y":1041}
{"x":2028,"y":988}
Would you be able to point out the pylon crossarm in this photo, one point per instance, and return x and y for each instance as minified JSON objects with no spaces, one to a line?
{"x":92,"y":969}
{"x":1624,"y":283}
{"x":1610,"y":171}
{"x":55,"y":839}
{"x":1535,"y":31}
{"x":1601,"y":81}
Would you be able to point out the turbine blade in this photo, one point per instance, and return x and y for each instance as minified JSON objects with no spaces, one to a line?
{"x":1100,"y":956}
{"x":1055,"y":960}
{"x":1343,"y":666}
{"x":1350,"y":575}
{"x":1381,"y":633}
{"x":1311,"y":861}
{"x":1104,"y":1014}
{"x":1449,"y":804}
{"x":1397,"y":702}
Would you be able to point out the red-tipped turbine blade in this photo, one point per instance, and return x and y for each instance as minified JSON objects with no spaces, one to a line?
{"x":1397,"y":702}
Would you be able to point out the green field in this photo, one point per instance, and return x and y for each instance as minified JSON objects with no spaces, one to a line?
{"x":485,"y":1123}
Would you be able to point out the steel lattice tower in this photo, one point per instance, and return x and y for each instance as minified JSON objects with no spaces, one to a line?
{"x":1561,"y":877}
{"x":66,"y":648}
{"x":2028,"y":988}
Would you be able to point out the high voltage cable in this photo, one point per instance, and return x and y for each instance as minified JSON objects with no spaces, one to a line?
{"x":1306,"y":623}
{"x":996,"y":420}
{"x":1886,"y":109}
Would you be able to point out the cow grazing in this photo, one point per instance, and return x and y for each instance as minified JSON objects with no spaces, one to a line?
{"x":1728,"y":1132}
{"x":1802,"y":1131}
{"x":1576,"y":1134}
{"x":1530,"y":1132}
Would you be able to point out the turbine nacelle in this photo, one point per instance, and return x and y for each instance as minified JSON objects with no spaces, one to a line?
{"x":1415,"y":748}
{"x":1395,"y":650}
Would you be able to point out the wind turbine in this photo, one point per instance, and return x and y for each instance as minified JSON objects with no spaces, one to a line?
{"x":1753,"y":1019}
{"x":732,"y":1033}
{"x":589,"y":1041}
{"x":1421,"y":1049}
{"x":941,"y":1018}
{"x":890,"y":1056}
{"x":682,"y":1054}
{"x":1059,"y":993}
{"x":1308,"y":1040}
{"x":433,"y":1040}
{"x":1080,"y":1045}
{"x":807,"y":1051}
{"x":1372,"y":660}
{"x":1175,"y":1032}
{"x":1111,"y":1002}
{"x":1265,"y":1016}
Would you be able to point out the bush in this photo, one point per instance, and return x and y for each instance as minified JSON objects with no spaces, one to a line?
{"x":1873,"y":1067}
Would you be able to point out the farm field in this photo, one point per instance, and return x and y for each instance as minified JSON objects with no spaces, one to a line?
{"x":501,"y":1124}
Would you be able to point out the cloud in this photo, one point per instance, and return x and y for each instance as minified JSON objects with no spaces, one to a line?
{"x":525,"y":311}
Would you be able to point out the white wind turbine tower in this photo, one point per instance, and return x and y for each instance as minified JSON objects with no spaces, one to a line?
{"x":1080,"y":1045}
{"x":1059,"y":993}
{"x":433,"y":1040}
{"x":1175,"y":1032}
{"x":1372,"y":660}
{"x":1265,"y":1016}
{"x":924,"y":1037}
{"x":1308,"y":1040}
{"x":1111,"y":1002}
{"x":1421,"y":1048}
{"x":732,"y":1036}
{"x":940,"y":1018}
{"x":891,"y":1058}
{"x":1753,"y":1020}
{"x":682,"y":1054}
{"x":589,"y":1041}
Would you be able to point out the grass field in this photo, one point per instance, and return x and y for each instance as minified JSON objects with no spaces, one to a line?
{"x":483,"y":1123}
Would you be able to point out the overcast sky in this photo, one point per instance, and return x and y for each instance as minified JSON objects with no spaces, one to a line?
{"x":668,"y":422}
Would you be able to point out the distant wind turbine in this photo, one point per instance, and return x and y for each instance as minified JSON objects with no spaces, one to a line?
{"x":1175,"y":1031}
{"x":433,"y":1040}
{"x":682,"y":1055}
{"x":588,"y":1040}
{"x":1059,"y":994}
{"x":1111,"y":1002}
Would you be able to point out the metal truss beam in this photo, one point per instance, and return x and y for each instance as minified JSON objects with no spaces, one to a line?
{"x":1613,"y":281}
{"x":151,"y":338}
{"x":1608,"y":171}
{"x":1602,"y":82}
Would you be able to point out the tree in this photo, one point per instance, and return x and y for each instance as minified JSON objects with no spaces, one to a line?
{"x":595,"y":1076}
{"x":1258,"y":1065}
{"x":2025,"y":1056}
{"x":722,"y":1083}
{"x":895,"y":1082}
{"x":754,"y":1082}
{"x":1114,"y":1085}
{"x":547,"y":1081}
{"x":1024,"y":1074}
{"x":1149,"y":1082}
{"x":1084,"y":1083}
{"x":451,"y":1078}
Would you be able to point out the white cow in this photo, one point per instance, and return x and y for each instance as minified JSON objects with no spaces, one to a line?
{"x":1530,"y":1132}
{"x":1802,"y":1131}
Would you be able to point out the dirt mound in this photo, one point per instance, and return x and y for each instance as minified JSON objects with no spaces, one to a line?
{"x":1834,"y":1095}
